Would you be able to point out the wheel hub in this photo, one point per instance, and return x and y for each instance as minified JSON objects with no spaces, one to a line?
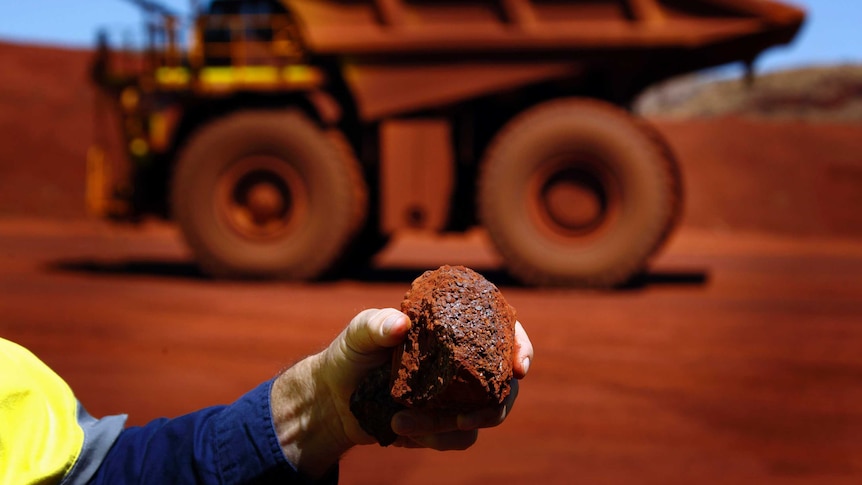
{"x":261,"y":197}
{"x":265,"y":202}
{"x":573,"y":204}
{"x":571,"y":200}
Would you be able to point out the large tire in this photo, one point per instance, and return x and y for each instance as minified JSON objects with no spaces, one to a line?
{"x":577,"y":192}
{"x":368,"y":239}
{"x":267,"y":195}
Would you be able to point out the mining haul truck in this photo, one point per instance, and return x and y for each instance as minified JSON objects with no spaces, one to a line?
{"x":287,"y":138}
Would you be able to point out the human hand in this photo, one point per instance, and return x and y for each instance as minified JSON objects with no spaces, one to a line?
{"x":311,"y":400}
{"x":368,"y":343}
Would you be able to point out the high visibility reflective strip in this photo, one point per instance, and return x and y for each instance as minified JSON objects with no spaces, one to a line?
{"x":173,"y":76}
{"x":228,"y":76}
{"x":40,"y":438}
{"x":297,"y":74}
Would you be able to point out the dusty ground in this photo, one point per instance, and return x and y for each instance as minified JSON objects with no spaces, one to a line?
{"x":734,"y":360}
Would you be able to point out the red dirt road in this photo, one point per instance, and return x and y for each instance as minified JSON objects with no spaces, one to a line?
{"x":735,"y":360}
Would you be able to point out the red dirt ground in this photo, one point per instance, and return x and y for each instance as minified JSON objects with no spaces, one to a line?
{"x":736,"y":361}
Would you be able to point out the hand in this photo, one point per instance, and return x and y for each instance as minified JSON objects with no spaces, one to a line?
{"x":310,"y":401}
{"x":424,"y":430}
{"x":367,"y":342}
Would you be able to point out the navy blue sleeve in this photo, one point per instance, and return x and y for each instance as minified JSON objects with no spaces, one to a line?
{"x":222,"y":445}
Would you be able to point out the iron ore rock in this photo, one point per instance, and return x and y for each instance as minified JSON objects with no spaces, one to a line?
{"x":457,"y":356}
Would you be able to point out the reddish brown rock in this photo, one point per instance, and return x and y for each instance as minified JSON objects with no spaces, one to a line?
{"x":457,"y":356}
{"x":458,"y":353}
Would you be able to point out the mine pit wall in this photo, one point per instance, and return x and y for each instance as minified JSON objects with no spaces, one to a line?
{"x":793,"y":178}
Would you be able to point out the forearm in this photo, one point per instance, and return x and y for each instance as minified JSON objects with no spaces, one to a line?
{"x":306,"y":419}
{"x":219,"y":445}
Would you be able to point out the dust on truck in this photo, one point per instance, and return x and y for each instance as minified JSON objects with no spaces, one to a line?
{"x":288,"y":138}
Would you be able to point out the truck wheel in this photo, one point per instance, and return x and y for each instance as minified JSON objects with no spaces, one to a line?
{"x":267,"y":195}
{"x":368,"y":239}
{"x":577,"y":192}
{"x":676,"y":178}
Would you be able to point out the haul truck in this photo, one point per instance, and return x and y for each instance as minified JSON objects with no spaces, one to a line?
{"x":288,"y":137}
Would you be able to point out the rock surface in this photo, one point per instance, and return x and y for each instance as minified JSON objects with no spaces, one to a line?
{"x":457,"y":356}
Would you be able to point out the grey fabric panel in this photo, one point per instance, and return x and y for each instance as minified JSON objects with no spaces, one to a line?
{"x":99,"y":436}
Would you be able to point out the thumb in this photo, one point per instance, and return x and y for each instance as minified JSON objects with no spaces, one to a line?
{"x":369,"y":336}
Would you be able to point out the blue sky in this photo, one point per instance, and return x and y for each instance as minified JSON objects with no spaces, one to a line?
{"x":831,"y":35}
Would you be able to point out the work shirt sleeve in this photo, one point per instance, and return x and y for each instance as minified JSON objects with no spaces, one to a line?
{"x":222,"y":445}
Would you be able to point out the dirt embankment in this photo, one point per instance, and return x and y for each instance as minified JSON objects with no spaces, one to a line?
{"x":789,"y":177}
{"x":46,"y":110}
{"x":822,"y":93}
{"x":792,"y":177}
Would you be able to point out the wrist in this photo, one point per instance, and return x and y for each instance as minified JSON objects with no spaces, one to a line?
{"x":306,"y":419}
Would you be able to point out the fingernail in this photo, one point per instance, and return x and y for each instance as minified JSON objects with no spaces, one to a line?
{"x":403,"y":424}
{"x":390,"y":322}
{"x":526,"y":364}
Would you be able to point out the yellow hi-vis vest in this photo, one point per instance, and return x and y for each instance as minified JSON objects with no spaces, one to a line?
{"x":40,"y":437}
{"x":46,"y":436}
{"x":39,"y":434}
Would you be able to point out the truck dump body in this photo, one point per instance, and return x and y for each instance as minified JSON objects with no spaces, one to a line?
{"x":388,"y":44}
{"x":415,"y":27}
